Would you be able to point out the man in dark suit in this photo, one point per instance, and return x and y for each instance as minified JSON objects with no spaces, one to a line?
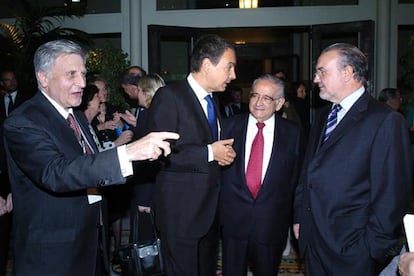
{"x":187,"y":186}
{"x":10,"y":100}
{"x":54,"y":166}
{"x":356,"y":179}
{"x":255,"y":224}
{"x":236,"y":104}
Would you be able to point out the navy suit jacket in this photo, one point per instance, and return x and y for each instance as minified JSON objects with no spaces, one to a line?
{"x":267,"y":218}
{"x":187,"y":186}
{"x":354,"y":188}
{"x":54,"y":225}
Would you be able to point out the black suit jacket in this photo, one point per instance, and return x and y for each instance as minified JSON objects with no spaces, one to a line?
{"x":4,"y":178}
{"x":187,"y":186}
{"x":267,"y":218}
{"x":54,"y":225}
{"x":354,"y":189}
{"x":20,"y":98}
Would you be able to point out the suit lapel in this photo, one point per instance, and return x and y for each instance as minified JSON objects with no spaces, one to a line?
{"x":354,"y":115}
{"x":239,"y":125}
{"x":84,"y":125}
{"x":194,"y":106}
{"x":2,"y":108}
{"x":273,"y":155}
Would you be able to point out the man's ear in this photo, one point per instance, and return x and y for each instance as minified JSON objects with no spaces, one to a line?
{"x":348,"y":72}
{"x":43,"y":79}
{"x":280,"y":103}
{"x":206,"y":64}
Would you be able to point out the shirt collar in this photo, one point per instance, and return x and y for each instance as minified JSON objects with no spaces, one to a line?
{"x":349,"y":101}
{"x":64,"y":112}
{"x":200,"y":92}
{"x":269,"y":123}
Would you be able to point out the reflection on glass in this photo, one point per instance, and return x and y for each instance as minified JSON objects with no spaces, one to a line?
{"x":223,"y":4}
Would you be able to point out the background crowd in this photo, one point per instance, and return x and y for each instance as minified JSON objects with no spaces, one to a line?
{"x":247,"y":167}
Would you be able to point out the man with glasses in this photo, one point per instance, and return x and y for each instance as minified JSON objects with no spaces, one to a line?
{"x":356,"y":179}
{"x":257,"y":189}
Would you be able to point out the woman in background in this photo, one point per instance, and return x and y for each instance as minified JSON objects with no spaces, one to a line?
{"x":145,"y":172}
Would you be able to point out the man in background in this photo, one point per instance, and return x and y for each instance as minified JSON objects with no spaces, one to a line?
{"x":9,"y":101}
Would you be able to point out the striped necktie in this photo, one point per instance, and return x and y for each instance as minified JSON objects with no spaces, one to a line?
{"x":332,"y":121}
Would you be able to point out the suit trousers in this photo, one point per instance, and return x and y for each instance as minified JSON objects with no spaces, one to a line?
{"x":238,"y":255}
{"x":354,"y":260}
{"x":191,"y":257}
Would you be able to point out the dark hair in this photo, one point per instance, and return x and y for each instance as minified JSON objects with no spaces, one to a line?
{"x":352,"y":56}
{"x":234,"y":88}
{"x":92,"y":78}
{"x":208,"y":46}
{"x":388,"y":93}
{"x":130,"y":79}
{"x":89,"y":92}
{"x":143,"y":72}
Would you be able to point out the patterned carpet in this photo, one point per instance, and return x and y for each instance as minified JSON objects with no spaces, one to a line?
{"x":291,"y":265}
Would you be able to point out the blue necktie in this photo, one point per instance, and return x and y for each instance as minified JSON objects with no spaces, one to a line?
{"x":211,"y":116}
{"x":332,"y":121}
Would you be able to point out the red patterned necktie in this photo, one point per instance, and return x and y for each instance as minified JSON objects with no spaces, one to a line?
{"x":76,"y":130}
{"x":254,"y":167}
{"x":88,"y":151}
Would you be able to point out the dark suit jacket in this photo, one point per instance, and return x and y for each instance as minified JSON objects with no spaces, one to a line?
{"x":187,"y":186}
{"x":144,"y":171}
{"x":267,"y":218}
{"x":54,"y":225}
{"x":4,"y":178}
{"x":20,"y":98}
{"x":354,"y":188}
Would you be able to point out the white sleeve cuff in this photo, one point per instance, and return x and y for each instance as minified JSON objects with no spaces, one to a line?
{"x":124,"y":163}
{"x":210,"y":153}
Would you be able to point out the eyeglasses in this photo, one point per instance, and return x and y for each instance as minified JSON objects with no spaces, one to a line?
{"x":266,"y":99}
{"x":320,"y":72}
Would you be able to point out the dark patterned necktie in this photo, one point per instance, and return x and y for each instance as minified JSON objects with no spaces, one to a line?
{"x":255,"y":165}
{"x":332,"y":121}
{"x":11,"y":105}
{"x":77,"y":131}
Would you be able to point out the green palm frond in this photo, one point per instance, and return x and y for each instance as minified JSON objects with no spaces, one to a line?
{"x":12,"y":34}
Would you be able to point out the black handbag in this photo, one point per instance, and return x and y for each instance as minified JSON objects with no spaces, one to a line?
{"x":142,"y":258}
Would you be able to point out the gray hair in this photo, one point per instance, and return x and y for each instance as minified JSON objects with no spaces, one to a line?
{"x":46,"y":55}
{"x":275,"y":80}
{"x":352,"y":56}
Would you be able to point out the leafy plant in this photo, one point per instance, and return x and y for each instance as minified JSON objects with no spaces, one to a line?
{"x":33,"y":27}
{"x":110,"y":63}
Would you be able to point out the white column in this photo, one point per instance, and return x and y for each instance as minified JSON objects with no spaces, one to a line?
{"x":383,"y":42}
{"x":135,"y":33}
